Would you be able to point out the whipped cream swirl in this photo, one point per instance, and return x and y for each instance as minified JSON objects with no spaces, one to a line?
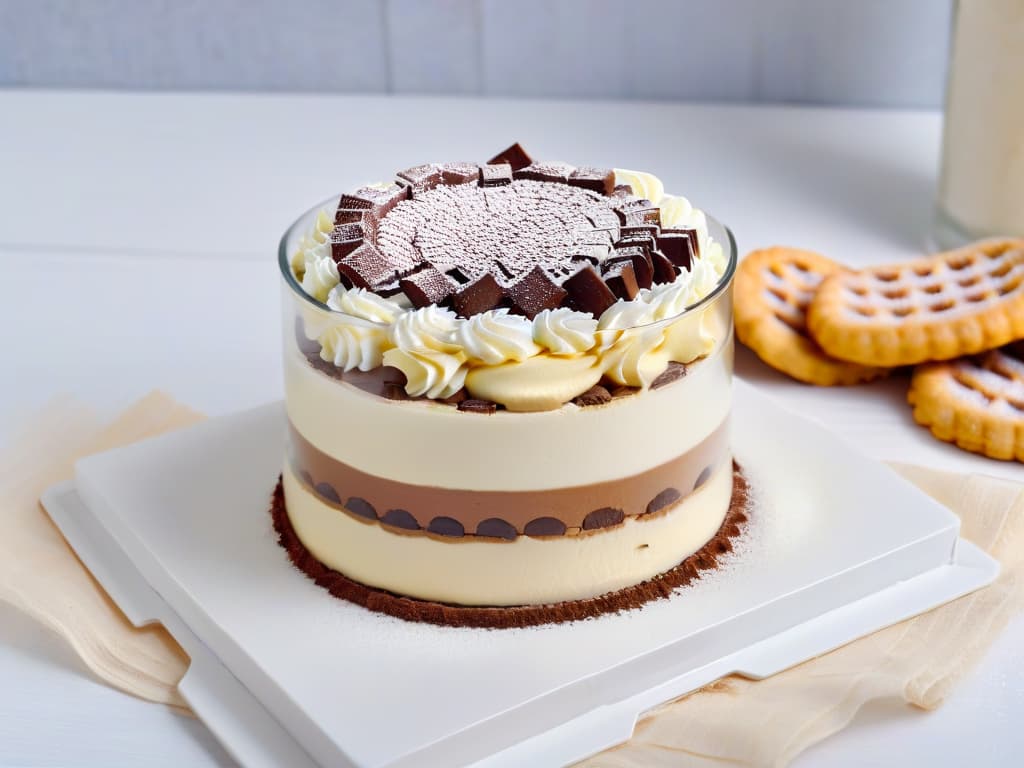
{"x":496,"y":337}
{"x":426,"y":352}
{"x":564,"y":332}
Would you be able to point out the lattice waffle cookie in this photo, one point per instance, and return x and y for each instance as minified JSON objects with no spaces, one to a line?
{"x":772,"y":290}
{"x":948,"y":305}
{"x":976,"y":402}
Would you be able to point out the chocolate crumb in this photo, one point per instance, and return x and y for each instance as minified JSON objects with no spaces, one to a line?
{"x":478,"y":406}
{"x":596,"y":395}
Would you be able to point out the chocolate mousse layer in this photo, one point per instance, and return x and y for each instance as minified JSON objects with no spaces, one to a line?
{"x":453,"y":514}
{"x":409,"y":609}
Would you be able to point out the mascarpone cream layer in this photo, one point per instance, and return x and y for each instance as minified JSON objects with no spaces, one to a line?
{"x":428,"y":443}
{"x":526,"y":571}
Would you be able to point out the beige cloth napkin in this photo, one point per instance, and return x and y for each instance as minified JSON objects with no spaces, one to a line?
{"x":734,"y":721}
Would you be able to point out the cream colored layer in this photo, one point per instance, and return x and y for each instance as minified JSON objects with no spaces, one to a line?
{"x":427,"y":443}
{"x":523,"y":572}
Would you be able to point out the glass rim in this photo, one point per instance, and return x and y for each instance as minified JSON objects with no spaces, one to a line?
{"x":284,"y":263}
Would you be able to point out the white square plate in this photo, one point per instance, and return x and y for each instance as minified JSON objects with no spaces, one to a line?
{"x":177,"y":529}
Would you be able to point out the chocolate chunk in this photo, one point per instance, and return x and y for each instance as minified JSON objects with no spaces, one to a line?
{"x":420,"y":178}
{"x":460,"y":173}
{"x":389,"y":289}
{"x":479,"y":296}
{"x":446,"y":526}
{"x":361,"y":508}
{"x":703,"y":477}
{"x":457,"y":397}
{"x":366,"y":267}
{"x":345,"y":238}
{"x":551,"y":172}
{"x":595,"y":179}
{"x":400,"y":518}
{"x":622,"y":190}
{"x":393,"y":375}
{"x":664,"y":270}
{"x":643,"y":269}
{"x":326,"y":490}
{"x":381,"y":200}
{"x":596,"y":395}
{"x":495,"y":174}
{"x":588,"y":292}
{"x":621,"y":279}
{"x":673,"y":372}
{"x":678,"y":246}
{"x":536,"y":292}
{"x":367,"y":218}
{"x":664,"y":499}
{"x":428,"y":286}
{"x":515,"y":156}
{"x":603,"y":518}
{"x":496,"y":528}
{"x":545,"y":526}
{"x":393,"y":391}
{"x":637,"y":211}
{"x":458,"y":274}
{"x":478,"y":406}
{"x":623,"y":390}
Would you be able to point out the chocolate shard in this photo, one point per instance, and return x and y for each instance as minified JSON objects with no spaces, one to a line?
{"x":495,"y":174}
{"x":589,"y":293}
{"x":595,"y":179}
{"x":366,"y":267}
{"x":515,"y":156}
{"x":362,"y":216}
{"x":673,"y":372}
{"x":663,"y":500}
{"x":380,"y":199}
{"x":664,"y":270}
{"x":326,"y":491}
{"x":639,"y":257}
{"x":472,"y":405}
{"x":637,"y":211}
{"x":345,"y":238}
{"x":552,"y":172}
{"x":596,"y":395}
{"x":420,"y":178}
{"x":479,"y":296}
{"x":622,"y":190}
{"x":400,"y":518}
{"x":620,"y":277}
{"x":428,"y":286}
{"x":447,"y":526}
{"x":389,"y":289}
{"x":361,"y":507}
{"x":536,"y":292}
{"x":678,"y":247}
{"x":459,"y":274}
{"x":545,"y":526}
{"x":460,"y":173}
{"x":689,"y":232}
{"x":605,"y":517}
{"x":496,"y":528}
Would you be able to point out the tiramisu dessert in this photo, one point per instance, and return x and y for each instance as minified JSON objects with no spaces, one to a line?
{"x":508,"y":389}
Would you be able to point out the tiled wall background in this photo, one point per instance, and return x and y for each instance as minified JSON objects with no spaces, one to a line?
{"x":857,"y":52}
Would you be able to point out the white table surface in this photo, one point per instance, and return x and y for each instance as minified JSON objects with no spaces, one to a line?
{"x":137,"y":242}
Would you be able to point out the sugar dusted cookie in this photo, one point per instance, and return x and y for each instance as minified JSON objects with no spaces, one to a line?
{"x":772,"y":290}
{"x":975,"y":402}
{"x":937,"y":308}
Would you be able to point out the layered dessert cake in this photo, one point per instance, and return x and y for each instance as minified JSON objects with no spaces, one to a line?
{"x":508,"y":389}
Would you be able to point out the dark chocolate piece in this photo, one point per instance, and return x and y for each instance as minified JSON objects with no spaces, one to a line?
{"x":595,"y":179}
{"x":666,"y":498}
{"x":551,"y":172}
{"x":643,"y":269}
{"x":457,"y":397}
{"x":400,"y":518}
{"x":596,"y":395}
{"x":345,"y":238}
{"x":479,"y":296}
{"x":623,"y":390}
{"x":367,"y":267}
{"x":603,"y":518}
{"x":361,"y":508}
{"x":393,"y":391}
{"x":495,"y":174}
{"x":536,"y":292}
{"x":515,"y":156}
{"x":545,"y":526}
{"x":326,"y":490}
{"x":428,"y":286}
{"x":621,"y":279}
{"x":446,"y":526}
{"x":589,"y":292}
{"x":678,"y":246}
{"x":664,"y":270}
{"x":460,"y":173}
{"x":637,"y":211}
{"x":622,"y":190}
{"x":307,"y":478}
{"x":381,"y":200}
{"x":420,"y":178}
{"x":458,"y":274}
{"x":496,"y":528}
{"x":367,"y":218}
{"x":703,"y":477}
{"x":478,"y":406}
{"x":673,"y":372}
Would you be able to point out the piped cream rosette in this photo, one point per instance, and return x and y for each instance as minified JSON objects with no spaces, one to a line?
{"x":525,"y":365}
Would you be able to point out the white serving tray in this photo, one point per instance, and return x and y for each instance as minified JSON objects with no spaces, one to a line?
{"x":177,"y":530}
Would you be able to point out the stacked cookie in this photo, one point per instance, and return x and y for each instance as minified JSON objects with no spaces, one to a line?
{"x":954,"y":315}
